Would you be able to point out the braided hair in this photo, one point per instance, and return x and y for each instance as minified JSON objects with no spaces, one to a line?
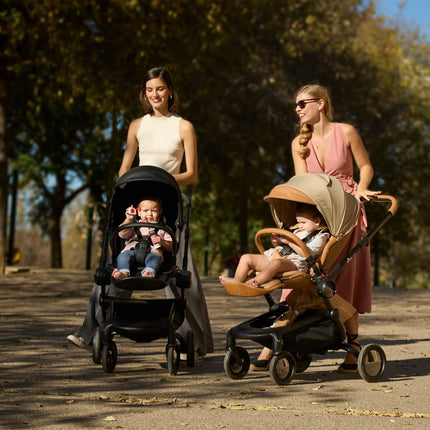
{"x":318,"y":92}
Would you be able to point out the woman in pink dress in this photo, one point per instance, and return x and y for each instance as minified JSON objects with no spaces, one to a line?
{"x":327,"y":147}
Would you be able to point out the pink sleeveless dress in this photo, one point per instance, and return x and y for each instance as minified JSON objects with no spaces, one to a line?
{"x":354,"y":283}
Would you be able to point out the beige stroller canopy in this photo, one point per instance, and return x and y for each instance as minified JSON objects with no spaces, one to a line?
{"x":338,"y":208}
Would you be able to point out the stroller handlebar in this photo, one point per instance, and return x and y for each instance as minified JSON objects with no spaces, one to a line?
{"x":382,"y":198}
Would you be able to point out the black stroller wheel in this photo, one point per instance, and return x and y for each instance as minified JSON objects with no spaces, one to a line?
{"x":97,"y":346}
{"x":109,"y":357}
{"x":234,"y":368}
{"x":303,"y":360}
{"x":190,"y":348}
{"x":282,"y":368}
{"x":371,"y":363}
{"x":173,"y":356}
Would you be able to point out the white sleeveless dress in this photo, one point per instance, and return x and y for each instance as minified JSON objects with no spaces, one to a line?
{"x":160,"y":142}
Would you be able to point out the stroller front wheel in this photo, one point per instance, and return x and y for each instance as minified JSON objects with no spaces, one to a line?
{"x":237,"y":367}
{"x":282,"y":368}
{"x":371,"y":363}
{"x":109,"y":356}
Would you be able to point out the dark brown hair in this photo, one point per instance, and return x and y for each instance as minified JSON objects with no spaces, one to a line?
{"x":164,"y":74}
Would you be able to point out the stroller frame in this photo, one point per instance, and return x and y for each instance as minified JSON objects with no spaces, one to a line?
{"x":144,"y":320}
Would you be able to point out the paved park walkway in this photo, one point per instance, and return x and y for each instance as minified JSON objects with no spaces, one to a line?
{"x":46,"y":383}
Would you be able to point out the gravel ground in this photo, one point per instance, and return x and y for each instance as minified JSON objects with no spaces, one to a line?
{"x":46,"y":383}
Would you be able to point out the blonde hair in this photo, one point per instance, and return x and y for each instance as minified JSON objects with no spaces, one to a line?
{"x":321,"y":93}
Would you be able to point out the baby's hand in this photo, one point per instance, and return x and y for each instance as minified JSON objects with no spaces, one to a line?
{"x":155,"y":239}
{"x":130,"y":212}
{"x":276,"y":240}
{"x":284,"y":240}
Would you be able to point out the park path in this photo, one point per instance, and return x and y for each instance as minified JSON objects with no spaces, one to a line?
{"x":45,"y":383}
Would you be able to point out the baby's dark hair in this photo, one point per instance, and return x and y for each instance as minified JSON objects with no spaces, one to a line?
{"x":311,"y":210}
{"x":152,"y":197}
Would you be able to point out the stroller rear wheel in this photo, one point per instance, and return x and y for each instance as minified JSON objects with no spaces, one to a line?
{"x":97,"y":346}
{"x":282,"y":368}
{"x":109,"y":357}
{"x":303,"y":360}
{"x":371,"y":363}
{"x":237,"y":367}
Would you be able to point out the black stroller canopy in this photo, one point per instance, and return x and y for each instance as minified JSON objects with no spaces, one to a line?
{"x":147,"y":180}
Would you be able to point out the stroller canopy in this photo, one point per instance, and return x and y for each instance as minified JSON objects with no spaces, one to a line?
{"x":338,"y":208}
{"x":147,"y":181}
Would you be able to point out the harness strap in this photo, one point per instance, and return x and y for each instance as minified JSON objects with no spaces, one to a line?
{"x":286,"y":249}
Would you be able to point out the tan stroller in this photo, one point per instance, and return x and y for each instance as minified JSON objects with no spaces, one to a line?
{"x":315,"y":324}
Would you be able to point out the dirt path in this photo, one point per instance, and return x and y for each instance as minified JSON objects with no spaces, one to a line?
{"x":48,"y":384}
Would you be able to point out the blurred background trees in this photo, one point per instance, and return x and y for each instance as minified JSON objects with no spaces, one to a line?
{"x":69,"y":83}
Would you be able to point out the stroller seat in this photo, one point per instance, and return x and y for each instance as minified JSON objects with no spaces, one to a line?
{"x":301,"y":282}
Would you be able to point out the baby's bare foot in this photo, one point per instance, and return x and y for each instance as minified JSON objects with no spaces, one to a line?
{"x":147,"y":274}
{"x":119,"y":275}
{"x":225,"y":279}
{"x":253,"y":282}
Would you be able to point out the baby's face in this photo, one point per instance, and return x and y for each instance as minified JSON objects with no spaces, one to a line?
{"x":306,"y":223}
{"x":149,"y":210}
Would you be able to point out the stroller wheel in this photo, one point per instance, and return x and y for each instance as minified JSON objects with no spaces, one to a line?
{"x":371,"y":363}
{"x":97,"y":346}
{"x":109,"y":356}
{"x":173,"y":356}
{"x":190,"y":348}
{"x":237,"y":367}
{"x":282,"y":368}
{"x":303,"y":360}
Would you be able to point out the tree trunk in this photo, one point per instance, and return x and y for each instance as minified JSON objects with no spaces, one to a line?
{"x":57,"y":207}
{"x":243,"y":210}
{"x":3,"y":187}
{"x":114,"y":156}
{"x":55,"y":233}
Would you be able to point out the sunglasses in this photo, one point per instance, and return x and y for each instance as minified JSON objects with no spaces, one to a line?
{"x":302,"y":103}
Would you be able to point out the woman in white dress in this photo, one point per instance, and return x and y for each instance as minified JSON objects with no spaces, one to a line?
{"x":162,"y":139}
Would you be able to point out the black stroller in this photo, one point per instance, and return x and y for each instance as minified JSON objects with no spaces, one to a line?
{"x":318,"y":326}
{"x":144,"y":320}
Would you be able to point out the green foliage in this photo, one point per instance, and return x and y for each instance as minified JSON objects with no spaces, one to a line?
{"x":74,"y":69}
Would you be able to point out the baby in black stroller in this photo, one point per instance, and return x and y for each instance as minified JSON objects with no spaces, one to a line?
{"x":139,"y":253}
{"x":144,"y":246}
